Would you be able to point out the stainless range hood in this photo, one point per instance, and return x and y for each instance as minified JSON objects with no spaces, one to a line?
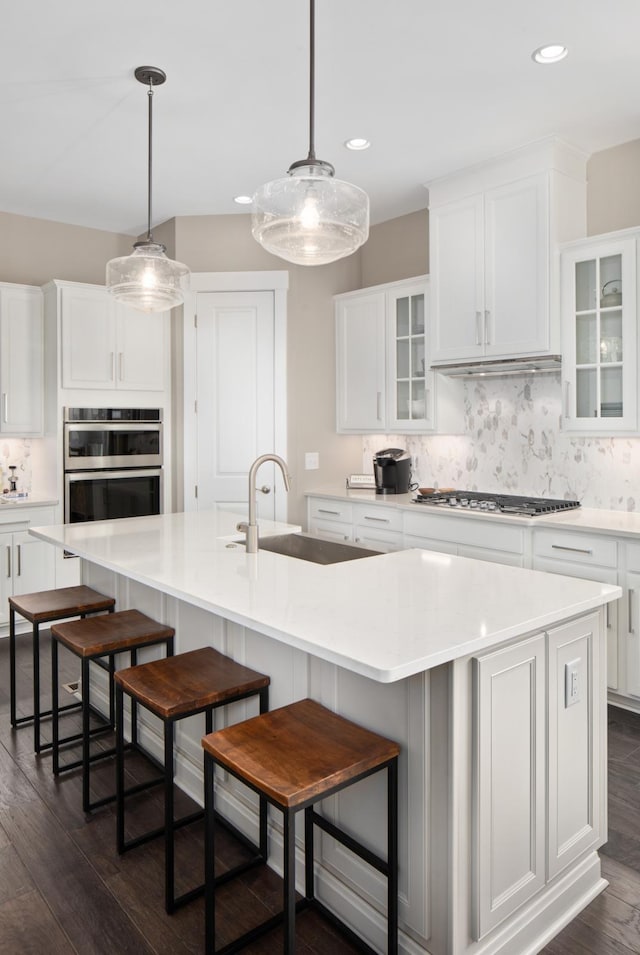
{"x":503,"y":366}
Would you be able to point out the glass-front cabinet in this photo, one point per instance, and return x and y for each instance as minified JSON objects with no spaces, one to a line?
{"x":599,"y":335}
{"x":411,"y":394}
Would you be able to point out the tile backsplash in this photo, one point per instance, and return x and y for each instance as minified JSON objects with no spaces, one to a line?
{"x":16,"y":451}
{"x":512,"y":443}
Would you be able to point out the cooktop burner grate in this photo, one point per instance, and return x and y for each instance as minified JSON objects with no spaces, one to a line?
{"x":496,"y":503}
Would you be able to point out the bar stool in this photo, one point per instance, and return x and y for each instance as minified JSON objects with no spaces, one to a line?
{"x":45,"y":607}
{"x":198,"y":681}
{"x":294,"y":757}
{"x":93,"y":639}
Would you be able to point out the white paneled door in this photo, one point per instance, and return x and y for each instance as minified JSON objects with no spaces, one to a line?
{"x":235,"y":421}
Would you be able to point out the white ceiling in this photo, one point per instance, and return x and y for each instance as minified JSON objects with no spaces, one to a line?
{"x":436,"y":85}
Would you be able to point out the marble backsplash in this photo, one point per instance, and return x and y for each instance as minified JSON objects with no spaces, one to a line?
{"x":16,"y":451}
{"x":512,"y":443}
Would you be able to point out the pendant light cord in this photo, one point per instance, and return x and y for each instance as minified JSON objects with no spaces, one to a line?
{"x":149,"y":160}
{"x":312,"y":80}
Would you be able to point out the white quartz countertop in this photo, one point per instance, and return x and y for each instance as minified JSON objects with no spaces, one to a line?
{"x":386,"y":617}
{"x":600,"y":521}
{"x":33,"y":500}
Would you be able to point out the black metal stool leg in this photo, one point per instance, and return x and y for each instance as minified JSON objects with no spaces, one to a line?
{"x":209,"y":855}
{"x":392,"y":856}
{"x":12,"y":663}
{"x":36,"y":688}
{"x":86,"y":761}
{"x":119,"y":770}
{"x":168,"y":819}
{"x":308,"y":853}
{"x":133,"y":659}
{"x":289,"y":831}
{"x":55,"y":728}
{"x":263,"y":818}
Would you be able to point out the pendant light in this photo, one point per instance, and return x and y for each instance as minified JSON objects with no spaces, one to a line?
{"x":308,"y":217}
{"x":147,"y":279}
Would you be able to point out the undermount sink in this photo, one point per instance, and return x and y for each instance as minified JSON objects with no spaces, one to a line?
{"x":314,"y":549}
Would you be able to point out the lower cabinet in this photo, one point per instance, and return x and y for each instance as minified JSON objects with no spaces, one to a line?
{"x":538,"y":764}
{"x":28,"y":565}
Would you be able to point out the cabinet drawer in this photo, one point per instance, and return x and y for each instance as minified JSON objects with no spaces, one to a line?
{"x":466,"y":530}
{"x":633,"y":556}
{"x":332,"y":530}
{"x":329,"y":510}
{"x":372,"y":515}
{"x":582,"y":548}
{"x":377,"y":538}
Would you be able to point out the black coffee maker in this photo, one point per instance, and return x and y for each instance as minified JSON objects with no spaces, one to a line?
{"x":392,"y":471}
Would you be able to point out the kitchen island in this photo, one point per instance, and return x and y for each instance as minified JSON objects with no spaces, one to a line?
{"x":492,"y":678}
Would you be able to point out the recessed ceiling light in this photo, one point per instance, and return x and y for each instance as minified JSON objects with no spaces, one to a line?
{"x":551,"y":53}
{"x":357,"y":143}
{"x":243,"y":200}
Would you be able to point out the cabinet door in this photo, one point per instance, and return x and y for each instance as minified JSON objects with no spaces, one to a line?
{"x":457,"y":279}
{"x":632,"y":588}
{"x":360,"y":356}
{"x":517,"y":257}
{"x":577,"y":770}
{"x":88,"y":338}
{"x":6,"y":575}
{"x":21,"y":366}
{"x":410,"y":397}
{"x":33,"y":564}
{"x":141,"y":349}
{"x":509,"y":781}
{"x":599,"y":334}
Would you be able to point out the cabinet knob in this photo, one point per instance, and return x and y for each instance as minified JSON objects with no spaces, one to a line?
{"x":265,"y":489}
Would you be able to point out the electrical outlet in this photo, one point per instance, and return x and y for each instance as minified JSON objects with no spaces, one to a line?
{"x":311,"y":461}
{"x":572,"y":682}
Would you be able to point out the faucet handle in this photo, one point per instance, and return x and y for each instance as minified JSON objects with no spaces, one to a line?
{"x":242,"y":526}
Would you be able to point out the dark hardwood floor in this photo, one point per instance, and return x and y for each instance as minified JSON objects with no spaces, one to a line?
{"x":64,"y":889}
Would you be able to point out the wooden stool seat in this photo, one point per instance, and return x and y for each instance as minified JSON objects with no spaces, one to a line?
{"x":299,"y":753}
{"x":115,"y":633}
{"x":198,"y":681}
{"x":45,"y":606}
{"x":189,"y":682}
{"x":294,"y":757}
{"x":92,"y":639}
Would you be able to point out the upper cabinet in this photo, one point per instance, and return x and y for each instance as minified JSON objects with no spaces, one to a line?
{"x":493,"y":234}
{"x":21,"y":360}
{"x":384,"y":379}
{"x":600,"y":344}
{"x":106,"y":345}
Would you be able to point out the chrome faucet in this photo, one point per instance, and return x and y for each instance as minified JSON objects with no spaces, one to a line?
{"x":250,"y":527}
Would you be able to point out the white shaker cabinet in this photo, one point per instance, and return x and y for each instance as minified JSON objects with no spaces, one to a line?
{"x":490,"y":266}
{"x":383,"y":375}
{"x":538,"y":765}
{"x":27,"y":564}
{"x":493,"y":231}
{"x":110,"y":346}
{"x":599,"y":334}
{"x":21,"y":360}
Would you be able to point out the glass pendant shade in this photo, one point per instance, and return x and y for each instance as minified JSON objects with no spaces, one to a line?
{"x":310,"y":218}
{"x":147,"y":279}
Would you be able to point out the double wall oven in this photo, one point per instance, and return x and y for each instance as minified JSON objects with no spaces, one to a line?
{"x":112,"y":463}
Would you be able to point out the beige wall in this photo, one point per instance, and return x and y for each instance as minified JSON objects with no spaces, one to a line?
{"x":34,"y":251}
{"x":613,"y":191}
{"x":397,"y":249}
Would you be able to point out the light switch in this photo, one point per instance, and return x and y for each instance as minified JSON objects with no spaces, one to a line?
{"x":572,"y":682}
{"x":311,"y":461}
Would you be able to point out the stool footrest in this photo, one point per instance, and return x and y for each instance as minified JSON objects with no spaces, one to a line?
{"x":155,"y":833}
{"x":93,"y":758}
{"x":46,"y":713}
{"x":375,"y":861}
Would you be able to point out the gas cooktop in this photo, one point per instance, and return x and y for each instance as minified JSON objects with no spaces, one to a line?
{"x":495,"y":503}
